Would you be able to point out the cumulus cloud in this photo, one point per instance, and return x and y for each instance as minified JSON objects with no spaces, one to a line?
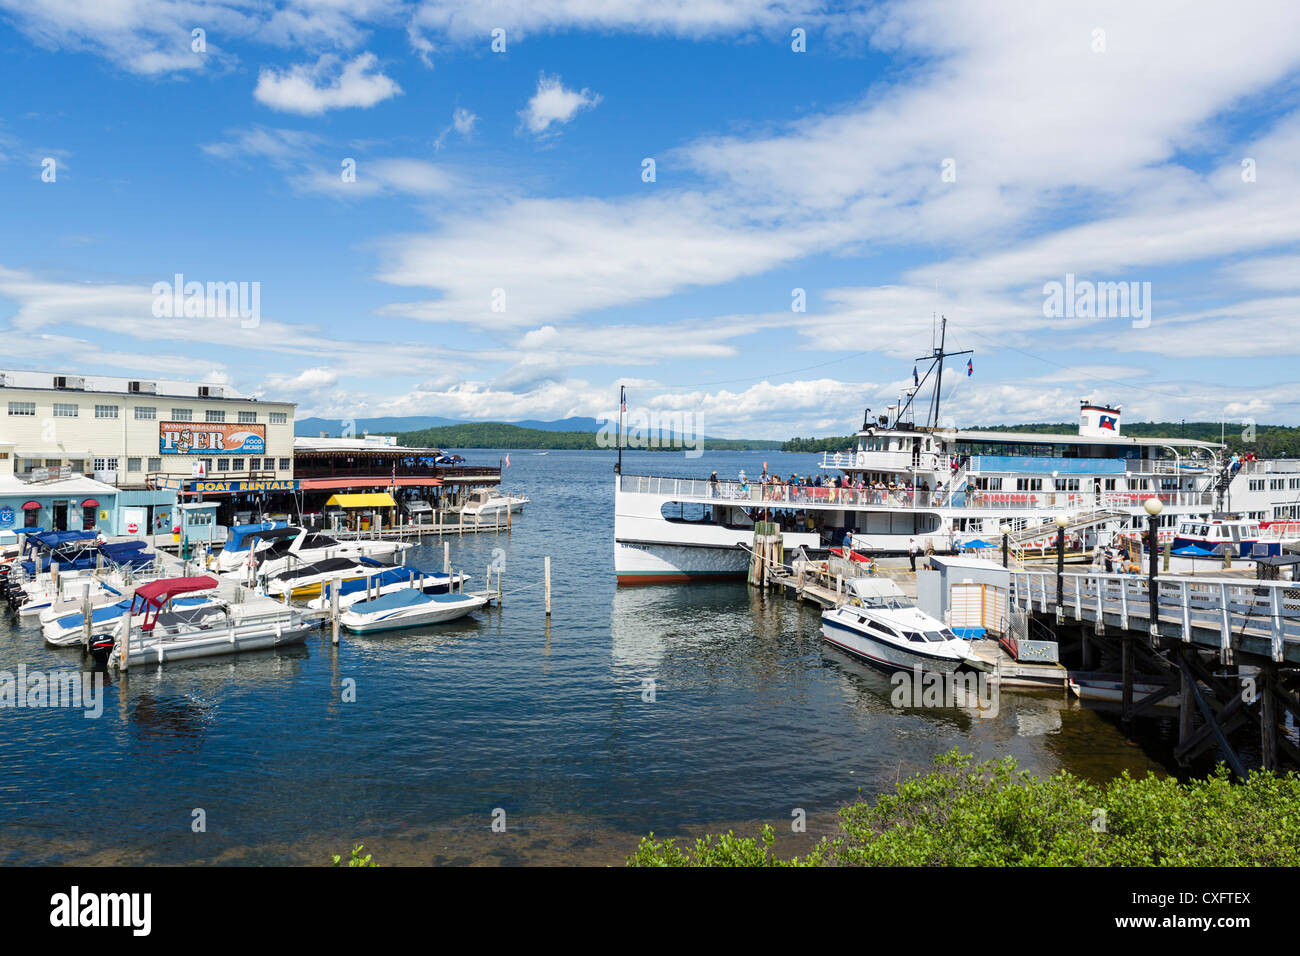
{"x":553,"y":104}
{"x":329,"y":84}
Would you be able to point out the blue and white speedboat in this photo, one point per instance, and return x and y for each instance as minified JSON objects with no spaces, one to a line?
{"x":880,"y":625}
{"x":388,"y":581}
{"x":408,"y":608}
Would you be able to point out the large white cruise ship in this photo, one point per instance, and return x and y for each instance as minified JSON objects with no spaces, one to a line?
{"x":943,"y":487}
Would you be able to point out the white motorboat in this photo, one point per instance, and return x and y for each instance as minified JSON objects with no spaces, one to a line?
{"x":408,"y":608}
{"x":1112,"y":691}
{"x":387,"y":581}
{"x":309,"y":547}
{"x":491,"y":503}
{"x":149,"y":634}
{"x":880,"y":625}
{"x":245,"y":539}
{"x":306,"y":581}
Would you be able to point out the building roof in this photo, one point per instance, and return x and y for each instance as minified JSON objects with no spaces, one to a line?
{"x":372,"y":444}
{"x":75,"y":486}
{"x":118,"y":385}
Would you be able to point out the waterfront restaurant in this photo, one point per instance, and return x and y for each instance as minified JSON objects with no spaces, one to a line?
{"x":399,"y":483}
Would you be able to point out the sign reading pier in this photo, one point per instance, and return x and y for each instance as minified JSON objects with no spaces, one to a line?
{"x":210,"y":438}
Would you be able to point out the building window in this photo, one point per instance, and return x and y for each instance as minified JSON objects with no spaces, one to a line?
{"x":223,"y":464}
{"x":285,"y":464}
{"x":106,"y":411}
{"x":155,"y":464}
{"x":207,"y":465}
{"x":105,"y":464}
{"x":182,"y":414}
{"x":1029,"y":484}
{"x":1067,"y":484}
{"x":145,"y":413}
{"x":248,"y":418}
{"x":214,"y":415}
{"x":237,"y":464}
{"x":269,"y":465}
{"x":26,"y":409}
{"x":64,"y":410}
{"x":279,"y":418}
{"x":133,"y":464}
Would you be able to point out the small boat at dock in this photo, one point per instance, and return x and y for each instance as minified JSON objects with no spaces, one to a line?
{"x":151,"y":634}
{"x":388,"y":581}
{"x":408,"y":608}
{"x":880,"y":625}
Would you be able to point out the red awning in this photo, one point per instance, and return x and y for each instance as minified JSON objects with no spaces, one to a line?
{"x":90,"y":503}
{"x":32,"y":506}
{"x":160,"y":592}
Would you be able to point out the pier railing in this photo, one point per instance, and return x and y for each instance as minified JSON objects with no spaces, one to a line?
{"x":1195,"y":609}
{"x":732,"y":491}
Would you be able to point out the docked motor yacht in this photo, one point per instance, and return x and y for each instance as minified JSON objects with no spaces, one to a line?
{"x":880,"y":625}
{"x":491,"y":503}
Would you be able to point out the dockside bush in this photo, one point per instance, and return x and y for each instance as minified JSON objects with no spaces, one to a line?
{"x":968,"y":813}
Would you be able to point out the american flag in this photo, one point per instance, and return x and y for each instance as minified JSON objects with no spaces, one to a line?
{"x":507,"y":461}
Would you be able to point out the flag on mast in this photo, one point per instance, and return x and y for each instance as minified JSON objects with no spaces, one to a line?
{"x":970,"y":367}
{"x":915,"y":379}
{"x":507,"y":461}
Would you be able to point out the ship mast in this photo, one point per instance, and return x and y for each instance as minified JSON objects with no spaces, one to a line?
{"x":935,"y":358}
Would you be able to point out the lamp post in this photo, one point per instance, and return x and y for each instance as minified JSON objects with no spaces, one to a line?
{"x":1006,"y":530}
{"x":1153,"y":507}
{"x":1061,"y":521}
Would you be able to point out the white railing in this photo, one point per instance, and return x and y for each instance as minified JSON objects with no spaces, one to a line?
{"x":756,"y":492}
{"x":1268,"y":610}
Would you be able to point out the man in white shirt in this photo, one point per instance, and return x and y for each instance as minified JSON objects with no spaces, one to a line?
{"x":911,"y":551}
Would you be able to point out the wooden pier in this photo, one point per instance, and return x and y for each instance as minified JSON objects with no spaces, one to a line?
{"x":1227,"y":649}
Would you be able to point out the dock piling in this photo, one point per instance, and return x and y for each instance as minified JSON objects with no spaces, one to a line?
{"x":334,"y":587}
{"x":547,"y":573}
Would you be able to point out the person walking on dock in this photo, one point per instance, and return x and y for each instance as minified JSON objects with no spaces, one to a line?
{"x":911,"y":552}
{"x":713,"y":485}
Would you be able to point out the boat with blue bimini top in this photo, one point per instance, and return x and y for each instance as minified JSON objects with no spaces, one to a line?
{"x":69,"y":629}
{"x":408,"y":608}
{"x":387,"y":581}
{"x":880,"y":625}
{"x":243,"y":539}
{"x":913,"y":480}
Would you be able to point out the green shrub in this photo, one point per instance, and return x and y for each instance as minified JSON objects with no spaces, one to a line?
{"x":964,"y":813}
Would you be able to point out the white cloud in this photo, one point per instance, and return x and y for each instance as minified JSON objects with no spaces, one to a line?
{"x":329,"y":84}
{"x":553,"y":104}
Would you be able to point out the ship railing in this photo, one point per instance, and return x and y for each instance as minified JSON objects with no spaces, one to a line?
{"x":1234,"y":608}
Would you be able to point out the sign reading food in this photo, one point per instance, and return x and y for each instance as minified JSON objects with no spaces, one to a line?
{"x":210,"y":438}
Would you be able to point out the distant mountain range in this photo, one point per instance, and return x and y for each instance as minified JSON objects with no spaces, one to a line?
{"x":312,"y":427}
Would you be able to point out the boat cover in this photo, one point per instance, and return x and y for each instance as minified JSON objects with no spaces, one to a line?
{"x":239,"y":536}
{"x":113,"y":611}
{"x":407,"y":597}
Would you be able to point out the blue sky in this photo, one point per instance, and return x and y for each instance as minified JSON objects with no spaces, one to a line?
{"x":915,"y":159}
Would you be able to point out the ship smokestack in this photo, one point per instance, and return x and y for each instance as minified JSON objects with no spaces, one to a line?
{"x":1097,"y":420}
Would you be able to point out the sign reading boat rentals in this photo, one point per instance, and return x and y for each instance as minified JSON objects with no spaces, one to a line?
{"x":210,"y":438}
{"x":236,"y":487}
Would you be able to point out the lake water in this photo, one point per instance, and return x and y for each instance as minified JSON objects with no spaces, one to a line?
{"x":752,"y":718}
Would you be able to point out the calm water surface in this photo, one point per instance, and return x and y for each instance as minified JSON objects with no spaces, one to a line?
{"x":752,"y":717}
